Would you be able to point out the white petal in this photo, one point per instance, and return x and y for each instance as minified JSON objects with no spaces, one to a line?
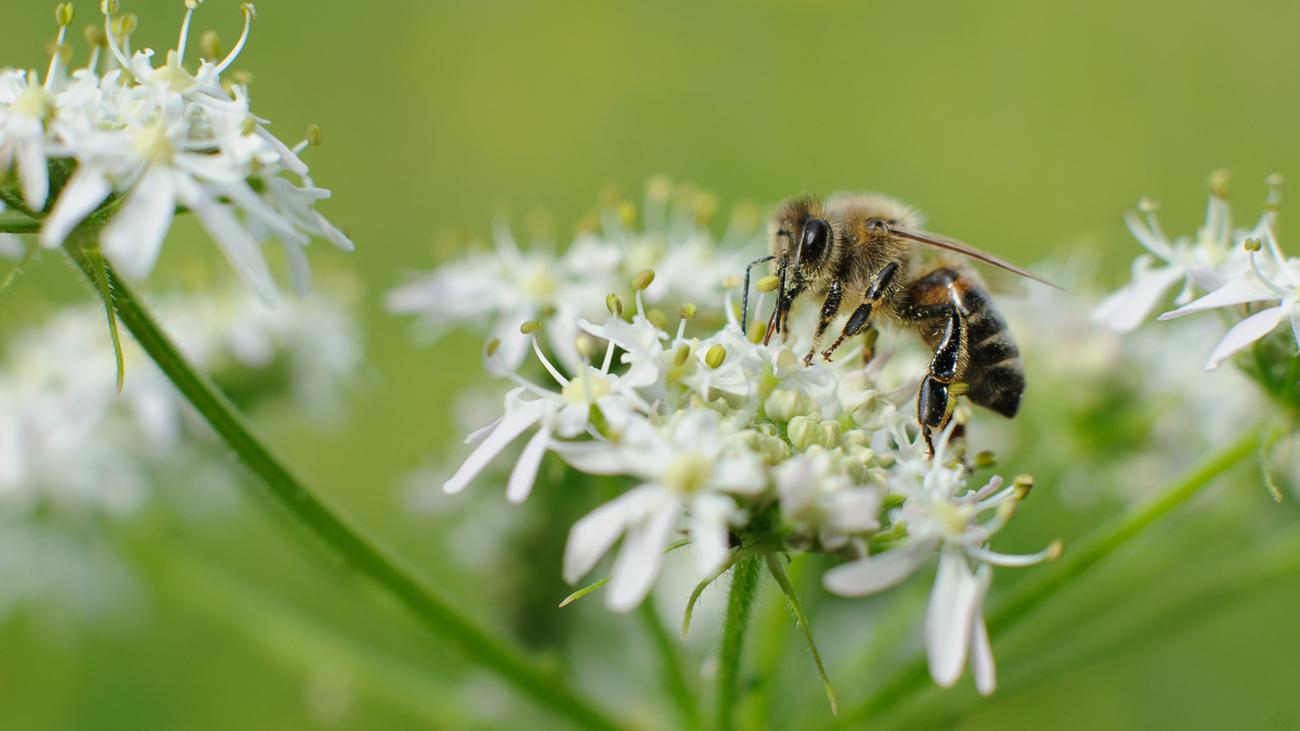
{"x":1295,"y":324}
{"x":511,"y":425}
{"x":877,"y":573}
{"x":591,"y":537}
{"x":596,"y":458}
{"x":241,"y":250}
{"x":34,"y":173}
{"x":639,"y":559}
{"x":981,"y":651}
{"x":1126,"y":308}
{"x":949,"y":618}
{"x":524,"y":474}
{"x":1244,"y":333}
{"x":1235,"y":292}
{"x":299,"y":267}
{"x":709,"y":520}
{"x":134,"y":237}
{"x":82,"y":195}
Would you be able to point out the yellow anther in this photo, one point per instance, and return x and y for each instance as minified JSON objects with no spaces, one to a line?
{"x":984,"y":460}
{"x":643,"y":279}
{"x":768,"y":283}
{"x":682,"y":354}
{"x":756,"y":331}
{"x":63,"y":14}
{"x":530,"y":327}
{"x":614,"y":304}
{"x":716,"y":356}
{"x":1023,"y":484}
{"x":95,"y":37}
{"x":314,"y":137}
{"x":108,"y":7}
{"x":1146,"y":205}
{"x":248,"y":11}
{"x":1055,"y":550}
{"x":584,"y":345}
{"x":1219,"y":183}
{"x":731,"y":282}
{"x":1252,"y":244}
{"x":492,"y":346}
{"x":687,"y":311}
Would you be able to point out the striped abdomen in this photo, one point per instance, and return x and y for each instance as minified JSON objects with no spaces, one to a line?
{"x":993,"y":371}
{"x":988,"y":361}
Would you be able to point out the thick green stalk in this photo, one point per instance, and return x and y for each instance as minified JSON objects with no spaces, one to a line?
{"x":670,"y":665}
{"x":333,"y":531}
{"x":740,"y":606}
{"x":1033,"y":592}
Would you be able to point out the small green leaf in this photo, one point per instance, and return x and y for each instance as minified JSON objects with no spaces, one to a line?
{"x":778,"y":572}
{"x":584,"y":591}
{"x":100,"y":269}
{"x":700,"y":587}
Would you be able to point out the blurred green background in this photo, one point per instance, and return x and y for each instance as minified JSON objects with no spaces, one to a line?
{"x":1026,"y":128}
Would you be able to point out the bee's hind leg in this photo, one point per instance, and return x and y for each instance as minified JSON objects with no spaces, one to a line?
{"x":934,"y":401}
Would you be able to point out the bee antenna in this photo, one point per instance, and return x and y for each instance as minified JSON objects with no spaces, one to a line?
{"x":744,"y":298}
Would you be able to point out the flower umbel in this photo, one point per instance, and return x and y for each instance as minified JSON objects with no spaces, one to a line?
{"x":733,"y":448}
{"x":122,"y":145}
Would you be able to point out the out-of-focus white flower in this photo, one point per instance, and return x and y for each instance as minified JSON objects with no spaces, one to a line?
{"x":818,"y":496}
{"x":507,"y":285}
{"x":693,"y":467}
{"x":156,"y":140}
{"x":74,"y":454}
{"x":1204,"y":262}
{"x":1255,"y":287}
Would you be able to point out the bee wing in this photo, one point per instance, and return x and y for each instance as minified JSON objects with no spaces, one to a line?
{"x":943,"y":242}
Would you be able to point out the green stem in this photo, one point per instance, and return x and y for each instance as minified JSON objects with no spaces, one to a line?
{"x":18,"y":269}
{"x":338,"y":536}
{"x":20,"y":227}
{"x":740,"y":605}
{"x":670,"y":665}
{"x":1033,"y":592}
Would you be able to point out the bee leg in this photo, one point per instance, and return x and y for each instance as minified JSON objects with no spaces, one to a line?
{"x":860,"y":317}
{"x":744,"y":298}
{"x":830,"y":308}
{"x":932,"y":403}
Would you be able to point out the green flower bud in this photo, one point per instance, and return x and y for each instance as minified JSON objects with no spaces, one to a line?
{"x":802,"y":432}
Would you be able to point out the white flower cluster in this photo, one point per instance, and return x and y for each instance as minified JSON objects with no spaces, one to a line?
{"x":124,"y":141}
{"x":76,"y":456}
{"x":1243,"y":271}
{"x":507,"y":285}
{"x":728,"y":445}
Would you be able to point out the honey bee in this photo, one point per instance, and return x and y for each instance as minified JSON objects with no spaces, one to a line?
{"x":863,"y":254}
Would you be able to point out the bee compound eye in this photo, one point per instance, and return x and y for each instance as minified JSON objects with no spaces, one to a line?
{"x":816,"y":233}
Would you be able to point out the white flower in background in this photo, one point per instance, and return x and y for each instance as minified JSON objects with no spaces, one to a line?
{"x":508,"y":284}
{"x":153,"y":141}
{"x":75,"y":456}
{"x":1254,"y":288}
{"x":1229,"y":271}
{"x":939,"y":514}
{"x":694,"y":468}
{"x":1204,"y":261}
{"x":502,"y":288}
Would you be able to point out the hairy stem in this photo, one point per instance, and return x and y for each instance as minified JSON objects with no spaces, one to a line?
{"x":329,"y":528}
{"x":740,"y":606}
{"x":914,"y":675}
